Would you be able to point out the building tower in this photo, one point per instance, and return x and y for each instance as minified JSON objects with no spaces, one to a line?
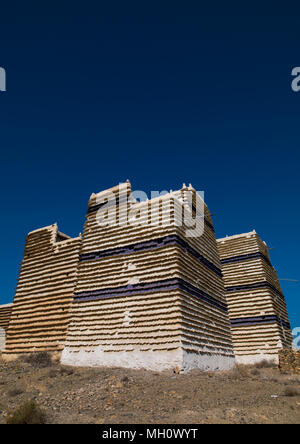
{"x":41,"y":308}
{"x":256,"y":304}
{"x":5,"y":313}
{"x":147,"y":294}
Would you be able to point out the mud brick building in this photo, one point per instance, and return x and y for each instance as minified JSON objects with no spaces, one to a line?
{"x":144,"y":288}
{"x":41,"y":310}
{"x":257,"y":309}
{"x":148,"y":296}
{"x":5,"y":314}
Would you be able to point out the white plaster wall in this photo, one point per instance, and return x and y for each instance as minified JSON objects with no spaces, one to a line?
{"x":254,"y":359}
{"x":2,"y":338}
{"x":149,"y":360}
{"x":206,"y":362}
{"x":136,"y":359}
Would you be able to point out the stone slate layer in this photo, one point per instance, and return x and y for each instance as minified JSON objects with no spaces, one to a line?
{"x":41,"y":308}
{"x":164,"y":285}
{"x":5,"y":314}
{"x":147,"y":291}
{"x":126,"y":290}
{"x":259,"y":321}
{"x":263,"y":284}
{"x":244,"y":257}
{"x":151,"y":245}
{"x":119,"y":201}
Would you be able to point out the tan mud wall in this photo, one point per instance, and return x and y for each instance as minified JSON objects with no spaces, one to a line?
{"x":266,"y":329}
{"x":41,"y":309}
{"x":206,"y":328}
{"x":5,"y":313}
{"x":150,"y":328}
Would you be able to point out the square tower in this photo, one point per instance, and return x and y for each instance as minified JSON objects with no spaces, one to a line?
{"x":5,"y":313}
{"x":257,"y":309}
{"x":147,"y":294}
{"x":41,"y":308}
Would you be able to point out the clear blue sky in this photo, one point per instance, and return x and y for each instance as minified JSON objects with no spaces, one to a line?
{"x":160,"y":95}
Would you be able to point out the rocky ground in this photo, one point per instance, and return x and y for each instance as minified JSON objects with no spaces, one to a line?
{"x":110,"y":396}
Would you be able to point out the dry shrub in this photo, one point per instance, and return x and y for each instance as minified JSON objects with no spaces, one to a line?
{"x":27,"y":413}
{"x":66,"y":371}
{"x":52,"y":373}
{"x":265,"y":364}
{"x":255,"y":372}
{"x":39,"y":359}
{"x":15,"y":392}
{"x":291,"y":391}
{"x":60,"y":371}
{"x":239,"y":371}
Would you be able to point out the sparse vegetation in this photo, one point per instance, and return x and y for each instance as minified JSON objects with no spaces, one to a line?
{"x":39,"y":359}
{"x":265,"y":364}
{"x":27,"y":413}
{"x":103,"y":395}
{"x":66,"y":371}
{"x":60,"y":371}
{"x":240,"y":371}
{"x":52,"y":373}
{"x":15,"y":392}
{"x":291,"y":391}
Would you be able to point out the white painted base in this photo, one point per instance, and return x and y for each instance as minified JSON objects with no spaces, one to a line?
{"x":2,"y":338}
{"x":149,"y":360}
{"x":207,"y":362}
{"x":137,"y":359}
{"x":254,"y":359}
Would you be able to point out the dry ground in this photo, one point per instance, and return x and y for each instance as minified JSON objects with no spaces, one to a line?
{"x":105,"y":395}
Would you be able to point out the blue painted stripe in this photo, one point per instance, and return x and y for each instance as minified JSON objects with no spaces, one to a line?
{"x":263,"y":284}
{"x":245,"y":257}
{"x":267,"y":319}
{"x":150,"y":287}
{"x":152,"y":244}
